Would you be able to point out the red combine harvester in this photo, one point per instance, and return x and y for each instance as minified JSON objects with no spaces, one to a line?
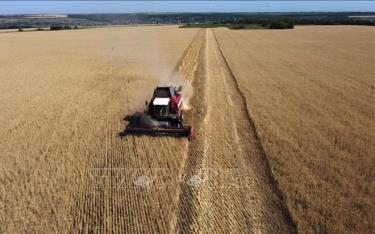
{"x":163,"y":115}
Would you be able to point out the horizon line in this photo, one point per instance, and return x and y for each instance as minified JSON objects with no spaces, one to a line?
{"x":188,"y":12}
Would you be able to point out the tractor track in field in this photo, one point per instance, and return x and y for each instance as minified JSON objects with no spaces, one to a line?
{"x":227,"y":184}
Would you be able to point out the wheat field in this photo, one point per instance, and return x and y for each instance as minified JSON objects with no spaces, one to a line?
{"x":63,"y":95}
{"x":283,"y":119}
{"x":311,"y":94}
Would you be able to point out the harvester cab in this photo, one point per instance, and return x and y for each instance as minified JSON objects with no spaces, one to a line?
{"x":163,"y":115}
{"x":166,"y":105}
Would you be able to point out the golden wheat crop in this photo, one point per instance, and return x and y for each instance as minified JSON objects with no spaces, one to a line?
{"x":62,"y":98}
{"x":311,"y":94}
{"x":283,"y":121}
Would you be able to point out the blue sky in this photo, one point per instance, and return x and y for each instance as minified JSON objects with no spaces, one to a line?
{"x":33,"y":7}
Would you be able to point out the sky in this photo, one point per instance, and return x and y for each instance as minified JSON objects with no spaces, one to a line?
{"x":54,"y":7}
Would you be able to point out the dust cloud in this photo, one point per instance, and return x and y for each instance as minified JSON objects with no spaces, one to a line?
{"x":156,"y":70}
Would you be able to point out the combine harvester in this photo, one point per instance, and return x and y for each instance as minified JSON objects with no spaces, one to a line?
{"x":163,"y":115}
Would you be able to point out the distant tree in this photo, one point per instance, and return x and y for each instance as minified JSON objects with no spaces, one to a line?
{"x":67,"y":27}
{"x":281,"y":24}
{"x":75,"y":27}
{"x":237,"y":26}
{"x":56,"y":27}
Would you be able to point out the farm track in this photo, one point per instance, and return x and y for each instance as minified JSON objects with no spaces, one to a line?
{"x":219,"y":182}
